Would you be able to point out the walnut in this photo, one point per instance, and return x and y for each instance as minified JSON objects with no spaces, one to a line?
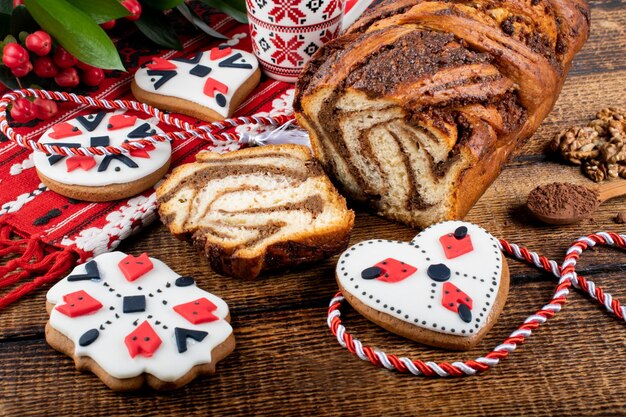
{"x":595,"y":170}
{"x":600,"y":147}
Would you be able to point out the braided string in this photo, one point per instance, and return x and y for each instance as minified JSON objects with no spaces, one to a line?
{"x":567,"y":277}
{"x":212,"y":132}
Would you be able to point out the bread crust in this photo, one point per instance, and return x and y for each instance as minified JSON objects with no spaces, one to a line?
{"x":439,"y":62}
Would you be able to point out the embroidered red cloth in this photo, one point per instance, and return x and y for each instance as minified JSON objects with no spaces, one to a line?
{"x":43,"y":234}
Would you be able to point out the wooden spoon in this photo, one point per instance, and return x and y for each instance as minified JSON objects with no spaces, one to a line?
{"x":566,"y":210}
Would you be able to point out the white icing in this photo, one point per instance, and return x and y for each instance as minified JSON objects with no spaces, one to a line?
{"x":190,"y":87}
{"x":109,"y":349}
{"x":412,"y":296}
{"x":146,"y":166}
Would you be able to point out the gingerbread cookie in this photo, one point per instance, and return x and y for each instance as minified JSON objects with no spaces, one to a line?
{"x":108,"y":177}
{"x":445,"y":288}
{"x":208,"y":86}
{"x":133,"y":321}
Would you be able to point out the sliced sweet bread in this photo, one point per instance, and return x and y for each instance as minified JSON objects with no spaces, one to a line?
{"x":256,"y":209}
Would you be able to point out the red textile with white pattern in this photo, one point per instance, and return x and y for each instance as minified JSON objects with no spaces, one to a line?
{"x":43,"y":234}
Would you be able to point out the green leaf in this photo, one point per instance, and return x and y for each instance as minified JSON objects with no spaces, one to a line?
{"x":163,"y":4}
{"x":101,"y":11}
{"x":5,"y":25}
{"x":234,"y":8}
{"x":21,"y":20}
{"x":156,"y":27}
{"x":76,"y":32}
{"x":22,"y":36}
{"x":6,"y":6}
{"x":190,"y":15}
{"x":8,"y":79}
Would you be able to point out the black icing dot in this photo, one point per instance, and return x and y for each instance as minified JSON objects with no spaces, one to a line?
{"x":392,"y":308}
{"x":434,"y":324}
{"x":423,"y":321}
{"x":433,"y":285}
{"x":88,"y":337}
{"x":443,"y":328}
{"x":356,"y":286}
{"x":220,"y":100}
{"x":118,"y":169}
{"x":378,"y":301}
{"x":134,"y":338}
{"x":438,"y":272}
{"x":363,"y":293}
{"x":460,"y":232}
{"x":351,"y":279}
{"x":406,"y":316}
{"x":385,"y":306}
{"x":399,"y":311}
{"x":462,"y":331}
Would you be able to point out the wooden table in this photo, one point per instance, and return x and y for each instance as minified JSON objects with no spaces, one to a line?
{"x":286,"y":361}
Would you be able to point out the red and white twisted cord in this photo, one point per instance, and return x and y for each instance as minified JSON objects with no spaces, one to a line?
{"x":567,"y":277}
{"x":212,"y":132}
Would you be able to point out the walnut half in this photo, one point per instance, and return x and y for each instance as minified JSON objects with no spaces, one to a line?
{"x":600,"y":147}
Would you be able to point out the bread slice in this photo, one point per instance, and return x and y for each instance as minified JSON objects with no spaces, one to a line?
{"x":256,"y":209}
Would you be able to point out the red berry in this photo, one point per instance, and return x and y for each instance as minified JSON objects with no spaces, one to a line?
{"x":45,"y":109}
{"x":64,"y":59}
{"x":92,"y":76}
{"x":108,"y":25}
{"x":22,"y":70}
{"x":45,"y":67}
{"x":134,"y":8}
{"x":83,"y":66}
{"x":14,"y":55}
{"x":17,"y":3}
{"x":39,"y":42}
{"x":23,"y":110}
{"x":67,"y":77}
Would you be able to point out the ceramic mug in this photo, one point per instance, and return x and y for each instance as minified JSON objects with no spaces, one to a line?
{"x":286,"y":33}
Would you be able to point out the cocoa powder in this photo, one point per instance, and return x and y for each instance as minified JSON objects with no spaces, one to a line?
{"x":562,"y":201}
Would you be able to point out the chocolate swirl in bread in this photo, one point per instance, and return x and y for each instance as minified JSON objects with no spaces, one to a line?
{"x":417,"y":107}
{"x":256,"y":209}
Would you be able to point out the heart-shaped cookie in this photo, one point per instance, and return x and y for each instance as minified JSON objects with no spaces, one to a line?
{"x":445,"y":288}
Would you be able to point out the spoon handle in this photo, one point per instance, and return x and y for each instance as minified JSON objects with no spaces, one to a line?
{"x":611,"y":189}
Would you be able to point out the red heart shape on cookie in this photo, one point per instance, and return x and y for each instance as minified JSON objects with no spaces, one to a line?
{"x":445,"y":288}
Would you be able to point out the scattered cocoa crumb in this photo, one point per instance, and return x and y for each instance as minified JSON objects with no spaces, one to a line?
{"x":562,"y":201}
{"x":620,"y":218}
{"x":599,"y":147}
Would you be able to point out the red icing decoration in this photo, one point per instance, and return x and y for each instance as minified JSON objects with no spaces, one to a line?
{"x":394,"y":270}
{"x":217,"y":53}
{"x":83,"y":162}
{"x":212,"y":85}
{"x":64,"y":130}
{"x":454,"y":247}
{"x":120,"y":121}
{"x":198,"y":311}
{"x":453,"y":295}
{"x":142,"y":153}
{"x":161,"y":64}
{"x":134,"y":267}
{"x":78,"y":303}
{"x":142,"y":341}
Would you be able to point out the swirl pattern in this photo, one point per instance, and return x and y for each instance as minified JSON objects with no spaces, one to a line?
{"x":416,"y":108}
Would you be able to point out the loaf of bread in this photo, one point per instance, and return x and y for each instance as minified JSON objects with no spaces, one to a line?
{"x":415,"y":109}
{"x":256,"y":209}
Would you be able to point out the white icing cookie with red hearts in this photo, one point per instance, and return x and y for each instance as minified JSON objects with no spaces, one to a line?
{"x":208,"y":86}
{"x":445,"y":288}
{"x":107,"y":177}
{"x":133,"y":321}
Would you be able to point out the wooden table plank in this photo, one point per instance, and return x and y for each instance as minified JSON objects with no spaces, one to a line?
{"x":287,"y":362}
